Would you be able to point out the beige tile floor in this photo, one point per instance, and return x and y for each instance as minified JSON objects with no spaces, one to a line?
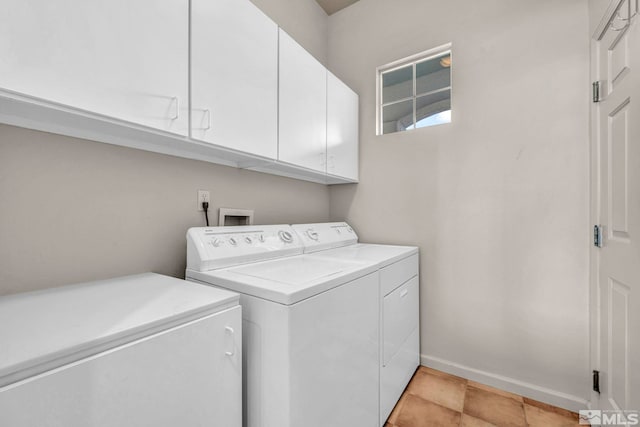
{"x":434,"y":398}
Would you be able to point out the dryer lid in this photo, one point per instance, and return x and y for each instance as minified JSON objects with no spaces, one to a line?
{"x":294,"y":272}
{"x":381,"y":254}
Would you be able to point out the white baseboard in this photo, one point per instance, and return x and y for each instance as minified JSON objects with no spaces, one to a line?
{"x":532,"y":391}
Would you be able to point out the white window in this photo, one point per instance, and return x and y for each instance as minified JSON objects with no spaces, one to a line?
{"x":415,"y":92}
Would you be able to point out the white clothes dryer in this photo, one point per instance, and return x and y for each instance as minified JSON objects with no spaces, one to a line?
{"x":398,"y":298}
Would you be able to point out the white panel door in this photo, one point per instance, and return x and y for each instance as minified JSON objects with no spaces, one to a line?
{"x":123,"y":59}
{"x":234,"y":86}
{"x":342,"y":129}
{"x":303,"y":107}
{"x":616,"y":326}
{"x":187,"y":376}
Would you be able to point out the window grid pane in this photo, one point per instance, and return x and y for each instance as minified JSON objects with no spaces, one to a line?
{"x":398,"y":84}
{"x":432,"y":75}
{"x":427,"y":93}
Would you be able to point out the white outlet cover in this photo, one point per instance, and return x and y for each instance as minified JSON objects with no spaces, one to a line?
{"x":203,"y":196}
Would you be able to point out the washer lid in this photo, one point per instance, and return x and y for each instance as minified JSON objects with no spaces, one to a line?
{"x":46,"y":329}
{"x":286,"y":280}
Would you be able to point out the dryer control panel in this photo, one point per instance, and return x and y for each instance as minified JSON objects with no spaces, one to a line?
{"x":326,"y":235}
{"x":210,"y":248}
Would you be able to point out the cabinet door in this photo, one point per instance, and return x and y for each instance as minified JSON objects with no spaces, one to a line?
{"x":234,"y":73}
{"x":190,"y":375}
{"x":119,"y":58}
{"x":342,"y":129}
{"x":303,"y":107}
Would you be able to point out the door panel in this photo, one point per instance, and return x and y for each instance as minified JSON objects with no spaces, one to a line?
{"x":616,"y":194}
{"x":127,"y":60}
{"x":234,"y":87}
{"x":618,"y":57}
{"x":303,"y":107}
{"x":618,"y":149}
{"x":342,"y":129}
{"x":618,"y":343}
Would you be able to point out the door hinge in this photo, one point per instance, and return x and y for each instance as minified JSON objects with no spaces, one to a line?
{"x":595,"y":87}
{"x":597,"y":236}
{"x":596,"y":381}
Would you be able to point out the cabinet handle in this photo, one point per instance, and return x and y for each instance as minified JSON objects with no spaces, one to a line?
{"x":231,"y":332}
{"x":176,"y":102}
{"x":208,"y":119}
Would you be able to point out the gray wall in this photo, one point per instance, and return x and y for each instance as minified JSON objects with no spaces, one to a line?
{"x":304,"y":20}
{"x":497,"y":201}
{"x":74,"y":210}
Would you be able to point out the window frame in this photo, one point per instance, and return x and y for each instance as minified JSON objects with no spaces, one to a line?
{"x":401,"y":63}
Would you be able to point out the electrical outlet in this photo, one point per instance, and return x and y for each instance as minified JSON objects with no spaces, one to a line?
{"x":203,"y":196}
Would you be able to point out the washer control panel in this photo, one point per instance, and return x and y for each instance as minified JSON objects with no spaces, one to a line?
{"x":217,"y":247}
{"x":328,"y":235}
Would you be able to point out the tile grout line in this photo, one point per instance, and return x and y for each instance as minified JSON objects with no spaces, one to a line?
{"x":464,"y":400}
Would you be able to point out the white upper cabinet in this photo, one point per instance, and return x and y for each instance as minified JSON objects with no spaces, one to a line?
{"x":234,"y":72}
{"x":214,"y":80}
{"x":303,"y":107}
{"x":342,"y":129}
{"x":123,"y":59}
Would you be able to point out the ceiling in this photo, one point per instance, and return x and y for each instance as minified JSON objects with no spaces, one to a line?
{"x":332,"y":6}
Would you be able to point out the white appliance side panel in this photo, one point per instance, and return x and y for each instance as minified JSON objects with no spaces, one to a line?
{"x":400,"y":317}
{"x":234,"y":76}
{"x":119,"y":58}
{"x":265,"y":363}
{"x":395,"y":376}
{"x":334,"y":357}
{"x":342,"y":129}
{"x":179,"y":377}
{"x":303,"y":107}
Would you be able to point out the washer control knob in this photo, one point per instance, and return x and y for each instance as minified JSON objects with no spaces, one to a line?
{"x":285,"y":236}
{"x":216,"y":242}
{"x":313,"y":235}
{"x":350,"y":230}
{"x":233,"y":241}
{"x":338,"y":231}
{"x":248,"y":240}
{"x":261,"y":238}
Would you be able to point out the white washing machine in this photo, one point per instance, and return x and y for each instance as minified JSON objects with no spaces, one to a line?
{"x":310,"y":325}
{"x":144,"y":350}
{"x":399,"y":300}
